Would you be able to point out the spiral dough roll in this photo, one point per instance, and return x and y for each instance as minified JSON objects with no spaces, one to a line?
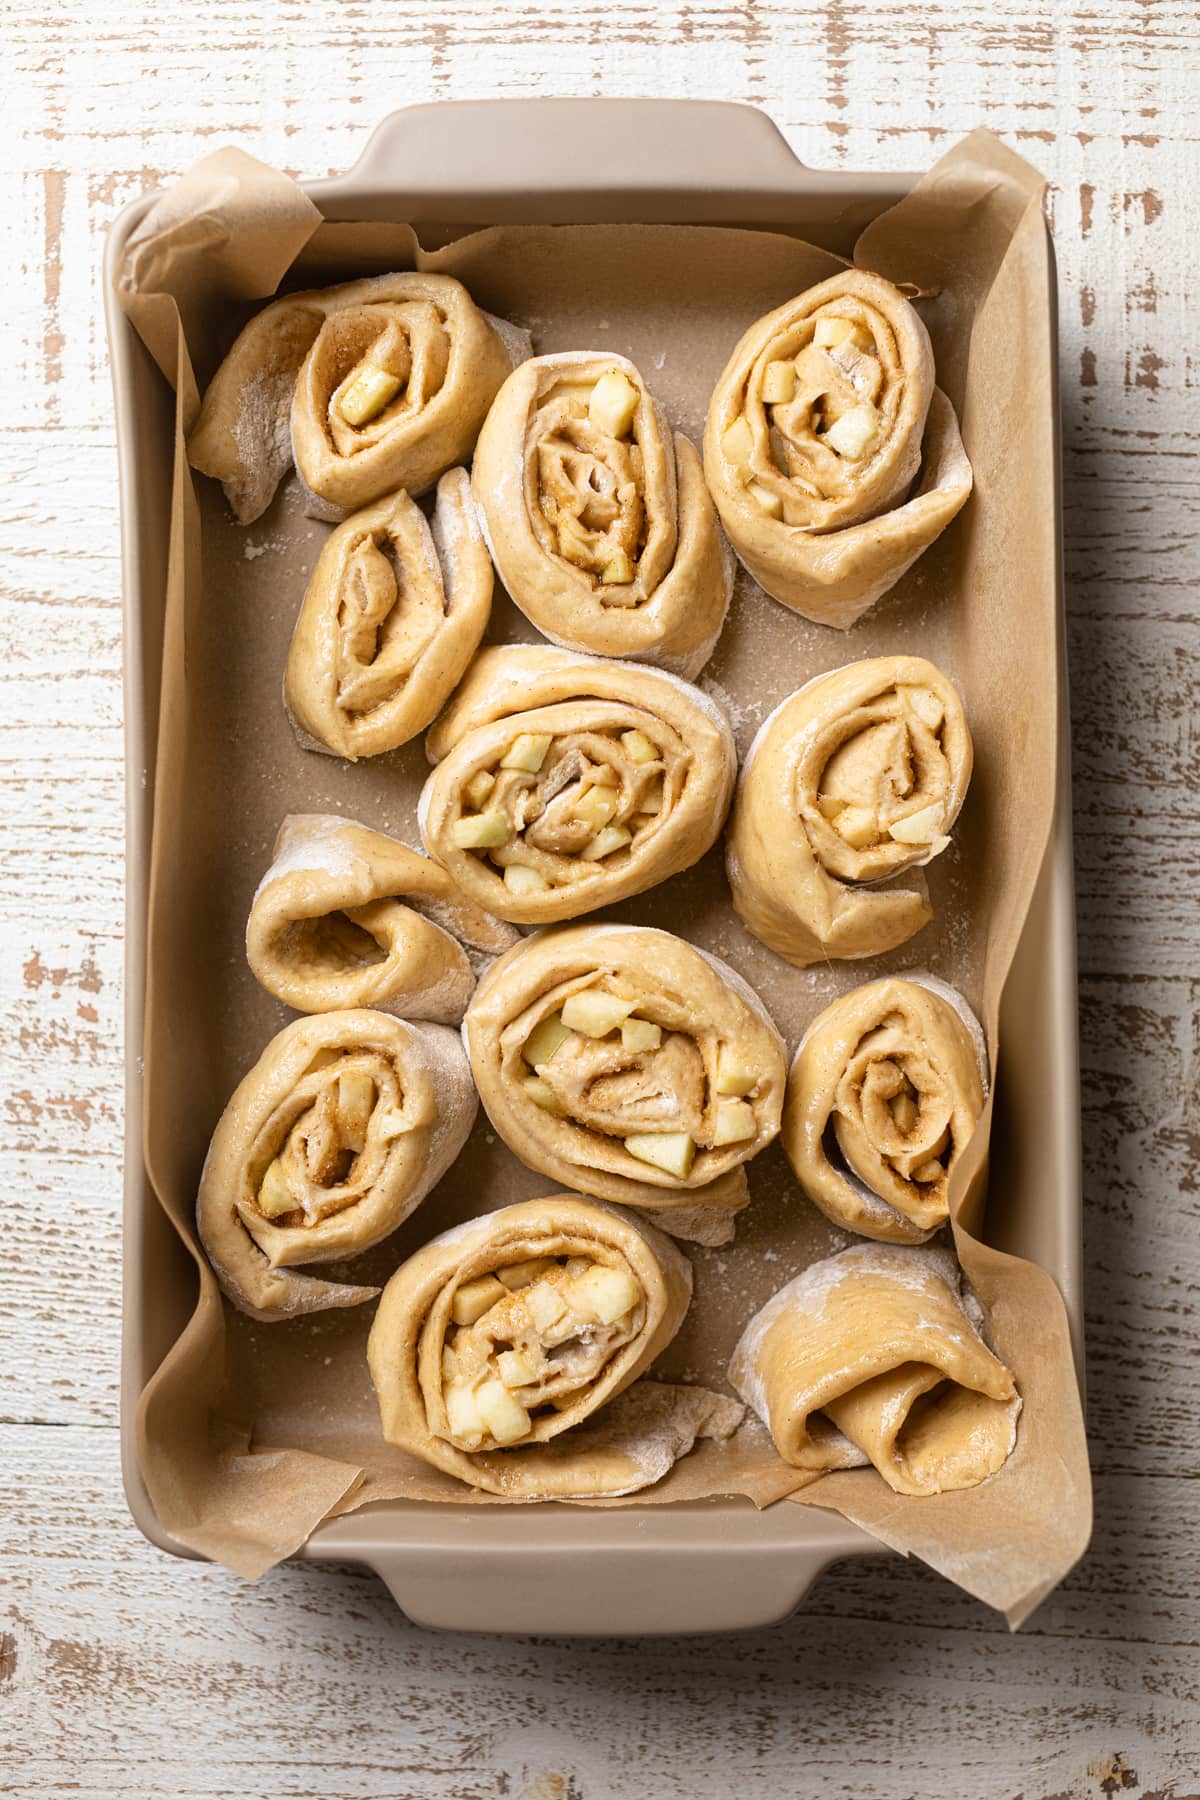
{"x":496,"y":1342}
{"x":346,"y":916}
{"x":877,"y":1356}
{"x":564,"y":783}
{"x":392,"y":615}
{"x":328,"y":1144}
{"x":850,"y":787}
{"x":833,"y":459}
{"x":884,"y":1094}
{"x":370,"y":386}
{"x":598,"y":517}
{"x":629,"y":1063}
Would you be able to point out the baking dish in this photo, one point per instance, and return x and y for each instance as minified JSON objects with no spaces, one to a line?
{"x":708,"y":1566}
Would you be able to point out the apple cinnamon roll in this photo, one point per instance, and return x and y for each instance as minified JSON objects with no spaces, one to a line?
{"x":330,"y":1141}
{"x":566,"y":782}
{"x":630,"y":1064}
{"x":496,"y":1344}
{"x":825,"y":416}
{"x":370,"y":386}
{"x":347,"y":917}
{"x":851,"y":786}
{"x":877,"y":1356}
{"x":883,"y":1096}
{"x":392,"y":615}
{"x":598,"y":518}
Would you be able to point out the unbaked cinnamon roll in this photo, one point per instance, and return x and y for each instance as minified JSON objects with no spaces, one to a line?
{"x":884,"y":1095}
{"x":371,"y":386}
{"x":346,"y":917}
{"x":495,"y":1346}
{"x":629,"y":1063}
{"x":598,"y":517}
{"x":833,"y":459}
{"x":330,"y":1141}
{"x":877,"y":1356}
{"x":851,"y":786}
{"x":566,"y":782}
{"x":392,"y":615}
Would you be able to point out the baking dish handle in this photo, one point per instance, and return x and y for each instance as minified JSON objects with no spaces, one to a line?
{"x":582,"y":1572}
{"x":579,"y":161}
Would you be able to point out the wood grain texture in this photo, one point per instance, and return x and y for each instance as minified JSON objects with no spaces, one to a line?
{"x":124,"y":1673}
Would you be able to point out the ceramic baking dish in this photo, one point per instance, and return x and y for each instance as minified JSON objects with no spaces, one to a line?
{"x":704,"y":1567}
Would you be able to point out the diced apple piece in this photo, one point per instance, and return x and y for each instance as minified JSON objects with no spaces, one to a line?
{"x":520,"y":879}
{"x":771,"y":502}
{"x":638,"y":747}
{"x":545,"y":1305}
{"x":356,"y":1102}
{"x":904,"y":1112}
{"x":640,"y":1034}
{"x":463,"y":1417}
{"x":888,"y":1077}
{"x":924,"y":702}
{"x":919,"y":827}
{"x":733,"y":1075}
{"x":545,"y":1041}
{"x":857,"y":825}
{"x":449,"y":1363}
{"x":575,"y":1265}
{"x":596,"y":807}
{"x":392,"y":1123}
{"x":543,"y":1095}
{"x":515,"y":1368}
{"x":778,"y":383}
{"x":520,"y":1274}
{"x":368,"y":394}
{"x":595,"y":1013}
{"x":651,"y":801}
{"x":672,"y":1151}
{"x":829,"y":806}
{"x":929,"y":1171}
{"x":830,"y":331}
{"x":481,"y":831}
{"x":603,"y":1293}
{"x":572,"y":544}
{"x":479,"y":787}
{"x":738,"y":444}
{"x":613,"y":837}
{"x":528,"y":752}
{"x":475,"y":1298}
{"x":619,"y":572}
{"x":853,"y":434}
{"x":613,"y":403}
{"x":504,"y":1417}
{"x":275,"y":1197}
{"x":735,"y":1122}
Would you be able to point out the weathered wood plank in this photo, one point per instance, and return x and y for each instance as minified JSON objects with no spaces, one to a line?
{"x":122,"y":1672}
{"x":315,"y":1667}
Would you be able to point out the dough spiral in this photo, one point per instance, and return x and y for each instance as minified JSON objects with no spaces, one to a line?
{"x":564,"y":783}
{"x":817,"y":431}
{"x":850,"y":787}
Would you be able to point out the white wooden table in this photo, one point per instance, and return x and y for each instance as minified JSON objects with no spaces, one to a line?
{"x":123,"y":1673}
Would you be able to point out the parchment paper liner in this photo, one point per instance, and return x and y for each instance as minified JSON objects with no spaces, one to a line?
{"x":249,"y":1436}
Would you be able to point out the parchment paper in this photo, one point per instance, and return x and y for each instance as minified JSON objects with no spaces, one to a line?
{"x":248,"y":1434}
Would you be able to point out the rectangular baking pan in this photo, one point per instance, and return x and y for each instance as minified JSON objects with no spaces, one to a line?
{"x":558,"y":1569}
